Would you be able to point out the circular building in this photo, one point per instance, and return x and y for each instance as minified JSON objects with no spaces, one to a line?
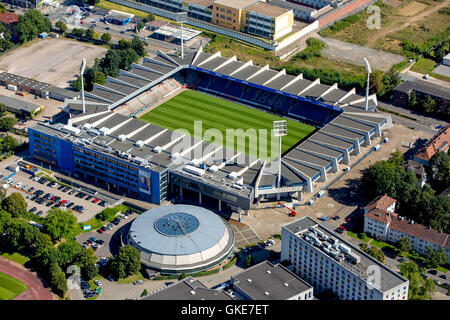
{"x":180,"y":238}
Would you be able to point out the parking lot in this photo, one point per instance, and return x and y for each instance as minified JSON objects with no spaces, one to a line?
{"x":42,"y":195}
{"x":110,"y":243}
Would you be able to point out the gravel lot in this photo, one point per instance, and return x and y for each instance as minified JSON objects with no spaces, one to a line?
{"x":54,"y":61}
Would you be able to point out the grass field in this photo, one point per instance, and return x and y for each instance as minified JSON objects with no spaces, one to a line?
{"x":10,"y":287}
{"x":181,"y":111}
{"x":17,"y":257}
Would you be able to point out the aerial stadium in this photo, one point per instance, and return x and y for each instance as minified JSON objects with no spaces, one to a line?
{"x":140,"y":126}
{"x":180,"y":238}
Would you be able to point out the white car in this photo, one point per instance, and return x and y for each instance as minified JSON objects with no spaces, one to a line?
{"x":18,"y":184}
{"x":98,"y":283}
{"x":25,"y":186}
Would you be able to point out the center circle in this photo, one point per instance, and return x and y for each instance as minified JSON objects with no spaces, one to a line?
{"x":177,"y":224}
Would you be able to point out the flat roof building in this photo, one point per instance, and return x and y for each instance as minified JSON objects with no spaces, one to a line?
{"x":20,"y":107}
{"x":187,"y":289}
{"x":266,"y":281}
{"x":329,"y":262}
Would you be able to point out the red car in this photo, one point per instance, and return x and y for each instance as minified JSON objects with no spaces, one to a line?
{"x":63,"y":201}
{"x":342,"y":227}
{"x":99,"y":230}
{"x":54,"y":198}
{"x":95,"y":200}
{"x":348,"y":219}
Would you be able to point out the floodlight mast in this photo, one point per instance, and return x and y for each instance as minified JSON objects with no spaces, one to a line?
{"x":369,"y":71}
{"x":82,"y":68}
{"x":182,"y":17}
{"x":279,"y":130}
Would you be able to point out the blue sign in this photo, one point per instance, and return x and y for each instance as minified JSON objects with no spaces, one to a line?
{"x":86,"y":228}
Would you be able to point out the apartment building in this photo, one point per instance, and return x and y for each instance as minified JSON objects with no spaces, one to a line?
{"x":329,"y":262}
{"x":439,"y":143}
{"x":382,"y":222}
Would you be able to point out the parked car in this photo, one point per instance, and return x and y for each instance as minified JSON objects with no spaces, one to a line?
{"x":31,"y":189}
{"x":72,"y":192}
{"x":100,"y":230}
{"x":88,"y":197}
{"x":443,"y":276}
{"x":433,"y":272}
{"x":98,"y":283}
{"x":138,"y":282}
{"x":39,"y":213}
{"x":60,"y":187}
{"x":18,"y":184}
{"x":95,"y":200}
{"x":335,"y":218}
{"x":339,"y":230}
{"x":33,"y":209}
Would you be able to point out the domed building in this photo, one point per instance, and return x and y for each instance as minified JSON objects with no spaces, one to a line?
{"x":180,"y":238}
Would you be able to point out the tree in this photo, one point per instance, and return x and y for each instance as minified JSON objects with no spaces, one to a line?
{"x":391,"y":79}
{"x":144,"y":293}
{"x":7,"y":123}
{"x":86,"y":257}
{"x":140,"y":26}
{"x":59,"y":223}
{"x":429,"y":105}
{"x":61,"y":26}
{"x":99,"y":77}
{"x":2,"y":109}
{"x":440,"y":170}
{"x":249,"y":261}
{"x":419,"y":288}
{"x":90,"y":33}
{"x":89,"y":271}
{"x":31,"y":24}
{"x":2,"y":194}
{"x":2,"y":8}
{"x":412,"y":100}
{"x":434,"y":258}
{"x":78,"y":32}
{"x":68,"y":251}
{"x":149,"y":18}
{"x":58,"y":279}
{"x":116,"y":269}
{"x":106,"y":37}
{"x":376,"y":82}
{"x":15,"y":204}
{"x":7,"y":144}
{"x":138,"y":46}
{"x":131,"y":259}
{"x":404,"y":245}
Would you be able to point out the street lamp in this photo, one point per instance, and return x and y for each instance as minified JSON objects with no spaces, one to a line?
{"x":369,"y":71}
{"x":279,"y":130}
{"x":82,"y":68}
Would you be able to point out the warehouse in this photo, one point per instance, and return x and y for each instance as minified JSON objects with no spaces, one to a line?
{"x":19,"y":107}
{"x":24,"y":84}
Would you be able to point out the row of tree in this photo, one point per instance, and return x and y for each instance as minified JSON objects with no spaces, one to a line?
{"x":422,"y":205}
{"x":427,"y":105}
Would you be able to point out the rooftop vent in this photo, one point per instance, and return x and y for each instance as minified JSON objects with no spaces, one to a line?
{"x":268,"y":271}
{"x":266,"y":293}
{"x":192,"y":292}
{"x":139,"y":143}
{"x":233,"y":175}
{"x":213,"y":168}
{"x":175,"y":155}
{"x":157,"y":149}
{"x":104,"y":131}
{"x":249,"y":280}
{"x":121,"y":137}
{"x":286,"y":284}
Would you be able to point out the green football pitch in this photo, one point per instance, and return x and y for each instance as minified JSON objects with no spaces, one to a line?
{"x":10,"y":287}
{"x":183,"y":110}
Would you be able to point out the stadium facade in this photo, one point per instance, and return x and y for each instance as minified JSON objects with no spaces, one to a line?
{"x":121,"y":154}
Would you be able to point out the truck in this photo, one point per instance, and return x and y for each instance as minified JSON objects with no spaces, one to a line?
{"x":323,"y":218}
{"x":11,"y":87}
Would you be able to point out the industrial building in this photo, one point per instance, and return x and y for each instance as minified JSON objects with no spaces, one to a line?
{"x":266,"y":281}
{"x":330,"y":263}
{"x":180,"y":238}
{"x":19,"y":107}
{"x":108,"y":148}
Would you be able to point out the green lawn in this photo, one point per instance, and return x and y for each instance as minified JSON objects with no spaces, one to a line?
{"x":10,"y":287}
{"x":183,"y":110}
{"x":132,"y":278}
{"x":424,"y":66}
{"x":17,"y":257}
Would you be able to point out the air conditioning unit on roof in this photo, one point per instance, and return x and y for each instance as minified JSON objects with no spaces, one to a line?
{"x":122,"y":137}
{"x":139,"y":143}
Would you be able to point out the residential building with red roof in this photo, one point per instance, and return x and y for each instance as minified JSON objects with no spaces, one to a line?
{"x":10,"y":21}
{"x":440,"y":142}
{"x":381,"y":222}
